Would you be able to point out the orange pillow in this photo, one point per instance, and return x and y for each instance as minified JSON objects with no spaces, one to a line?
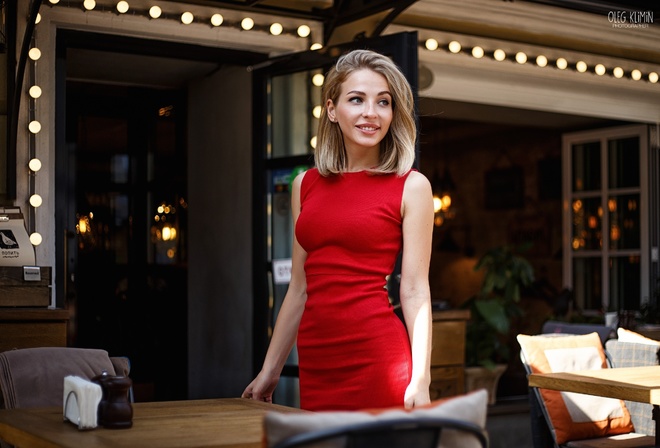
{"x":574,"y":416}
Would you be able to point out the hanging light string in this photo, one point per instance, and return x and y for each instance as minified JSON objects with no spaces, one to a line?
{"x":540,"y":60}
{"x":217,"y":19}
{"x":34,"y":127}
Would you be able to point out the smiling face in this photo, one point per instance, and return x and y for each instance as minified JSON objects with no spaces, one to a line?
{"x":363,"y":111}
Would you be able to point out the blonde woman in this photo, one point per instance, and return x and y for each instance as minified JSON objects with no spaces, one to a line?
{"x":355,"y":212}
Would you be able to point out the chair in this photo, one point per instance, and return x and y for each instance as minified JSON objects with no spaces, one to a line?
{"x":543,"y":436}
{"x":34,"y":377}
{"x":398,"y":433}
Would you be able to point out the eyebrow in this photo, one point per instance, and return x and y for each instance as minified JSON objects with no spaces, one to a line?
{"x":358,"y":92}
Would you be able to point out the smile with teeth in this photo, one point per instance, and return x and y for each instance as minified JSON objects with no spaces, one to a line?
{"x":368,"y":128}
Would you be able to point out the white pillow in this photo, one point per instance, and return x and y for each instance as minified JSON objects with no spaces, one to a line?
{"x":471,"y":407}
{"x":630,"y":336}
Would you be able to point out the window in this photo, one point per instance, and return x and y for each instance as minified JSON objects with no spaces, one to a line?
{"x":605,"y":180}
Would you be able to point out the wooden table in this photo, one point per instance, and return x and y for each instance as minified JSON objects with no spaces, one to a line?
{"x":641,"y":384}
{"x":223,"y":422}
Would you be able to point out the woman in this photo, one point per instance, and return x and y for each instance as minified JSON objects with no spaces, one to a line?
{"x":354,"y":213}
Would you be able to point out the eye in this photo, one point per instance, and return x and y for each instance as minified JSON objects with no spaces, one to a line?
{"x":355,"y":99}
{"x":384,"y":102}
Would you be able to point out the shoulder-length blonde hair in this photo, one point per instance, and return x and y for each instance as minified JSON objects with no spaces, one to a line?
{"x":397,"y":149}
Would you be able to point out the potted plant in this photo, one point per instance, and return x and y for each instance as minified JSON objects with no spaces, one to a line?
{"x":487,"y":344}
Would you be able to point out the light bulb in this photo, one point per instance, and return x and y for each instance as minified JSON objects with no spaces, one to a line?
{"x":34,"y":164}
{"x":581,"y":66}
{"x":35,"y":200}
{"x":499,"y":55}
{"x":35,"y":92}
{"x":247,"y":24}
{"x":653,"y":77}
{"x":454,"y":47}
{"x":122,"y":7}
{"x":315,"y":46}
{"x":431,"y":44}
{"x":600,"y":69}
{"x":217,"y":19}
{"x":478,"y":52}
{"x":521,"y":57}
{"x":35,"y":239}
{"x":276,"y":29}
{"x":618,"y":72}
{"x":155,"y":12}
{"x":562,"y":64}
{"x":54,"y":2}
{"x":318,"y":80}
{"x":187,"y":18}
{"x":34,"y":127}
{"x":89,"y":4}
{"x":304,"y":31}
{"x":34,"y":54}
{"x":36,"y":22}
{"x":312,"y":142}
{"x":316,"y":112}
{"x":541,"y":60}
{"x":636,"y":75}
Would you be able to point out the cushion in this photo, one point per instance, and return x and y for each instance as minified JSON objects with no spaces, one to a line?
{"x":34,"y":377}
{"x":470,"y":407}
{"x":574,"y":416}
{"x":631,"y":336}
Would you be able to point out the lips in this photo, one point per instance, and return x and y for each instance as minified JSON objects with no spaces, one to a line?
{"x":368,"y":128}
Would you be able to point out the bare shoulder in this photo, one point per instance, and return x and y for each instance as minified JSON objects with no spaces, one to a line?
{"x":417,"y":184}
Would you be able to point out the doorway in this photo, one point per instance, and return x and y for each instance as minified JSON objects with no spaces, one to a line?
{"x":128,"y":246}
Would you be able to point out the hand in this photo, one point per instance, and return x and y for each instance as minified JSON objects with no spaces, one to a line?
{"x":416,"y":396}
{"x":261,"y":388}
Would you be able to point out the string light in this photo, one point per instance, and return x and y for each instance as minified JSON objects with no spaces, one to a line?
{"x":34,"y":165}
{"x":541,"y":60}
{"x":304,"y":31}
{"x":217,"y":19}
{"x":247,"y":24}
{"x":155,"y":12}
{"x":89,"y":4}
{"x":187,"y":18}
{"x":34,"y":54}
{"x":122,"y":7}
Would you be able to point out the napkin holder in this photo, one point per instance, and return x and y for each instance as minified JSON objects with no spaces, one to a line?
{"x":81,"y":402}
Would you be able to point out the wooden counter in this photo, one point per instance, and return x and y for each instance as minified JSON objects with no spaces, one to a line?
{"x":32,"y":327}
{"x":448,"y":353}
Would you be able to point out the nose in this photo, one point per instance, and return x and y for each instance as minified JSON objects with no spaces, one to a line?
{"x":369,"y":109}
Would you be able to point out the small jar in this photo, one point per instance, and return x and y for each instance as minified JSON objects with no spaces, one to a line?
{"x":115,"y":409}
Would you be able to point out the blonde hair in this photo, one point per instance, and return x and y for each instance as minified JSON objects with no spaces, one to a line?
{"x":397,"y":149}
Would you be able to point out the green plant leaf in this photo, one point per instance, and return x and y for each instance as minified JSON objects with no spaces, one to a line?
{"x":494,"y":314}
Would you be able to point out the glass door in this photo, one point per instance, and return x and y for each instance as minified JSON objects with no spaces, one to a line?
{"x":287,"y":104}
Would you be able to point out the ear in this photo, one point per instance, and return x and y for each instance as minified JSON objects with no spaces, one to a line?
{"x":330,"y":108}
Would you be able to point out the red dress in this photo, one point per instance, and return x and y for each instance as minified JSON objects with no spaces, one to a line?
{"x":353,"y":351}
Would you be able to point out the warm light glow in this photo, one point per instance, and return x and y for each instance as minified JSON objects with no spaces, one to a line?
{"x":577,"y":206}
{"x":247,"y":23}
{"x":611,"y":205}
{"x":541,"y":60}
{"x":431,"y":44}
{"x":34,"y":54}
{"x":600,"y":69}
{"x":35,"y":92}
{"x":446,"y":202}
{"x":316,"y":46}
{"x":122,"y":7}
{"x":35,"y":200}
{"x":34,"y":127}
{"x":304,"y":31}
{"x":618,"y":72}
{"x":454,"y":47}
{"x":636,"y":75}
{"x":318,"y":79}
{"x":438,"y":221}
{"x":36,"y":22}
{"x":317,"y":111}
{"x":653,"y":77}
{"x":217,"y":19}
{"x":187,"y":18}
{"x":615,"y":232}
{"x":35,"y":239}
{"x":89,"y":4}
{"x":592,"y":222}
{"x":34,"y":165}
{"x":312,"y":142}
{"x":478,"y":52}
{"x":521,"y":57}
{"x":155,"y":12}
{"x":437,"y":204}
{"x":276,"y":29}
{"x":54,"y":2}
{"x":562,"y":64}
{"x":499,"y":55}
{"x":581,"y":66}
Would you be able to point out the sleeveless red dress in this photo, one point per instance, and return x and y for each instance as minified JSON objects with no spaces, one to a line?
{"x":353,"y":351}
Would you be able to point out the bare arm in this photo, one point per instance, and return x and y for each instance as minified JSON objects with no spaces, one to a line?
{"x":288,"y":318}
{"x":417,"y":212}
